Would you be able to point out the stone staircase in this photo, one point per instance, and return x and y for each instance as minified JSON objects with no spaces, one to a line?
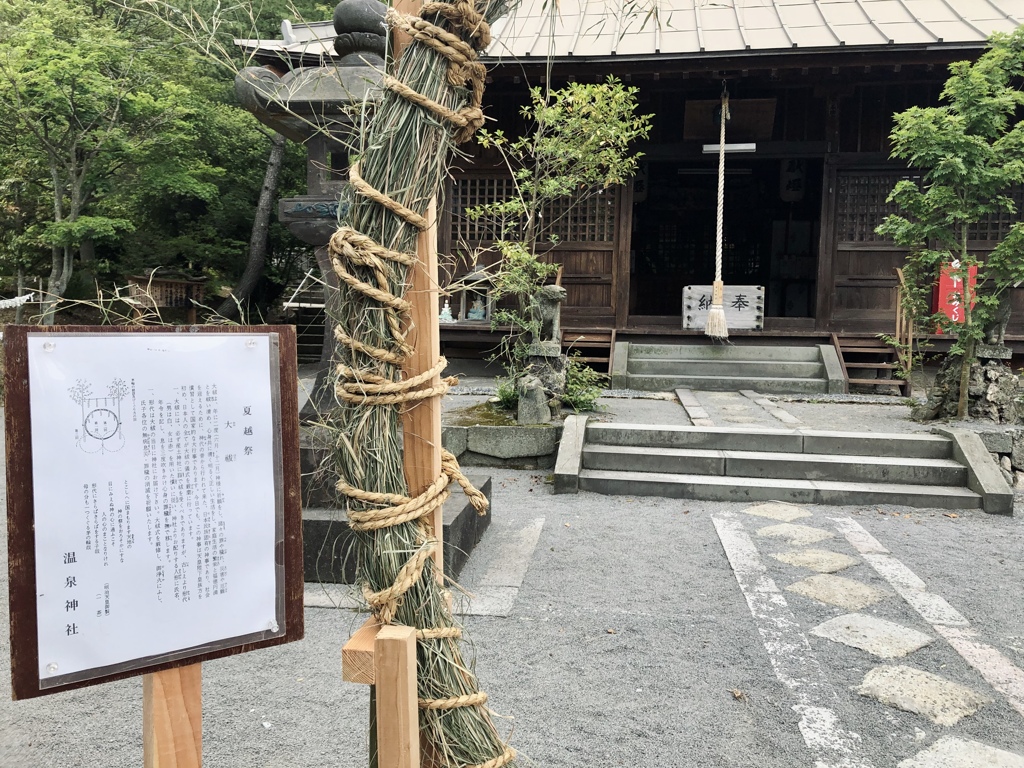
{"x":721,"y":367}
{"x":950,"y":471}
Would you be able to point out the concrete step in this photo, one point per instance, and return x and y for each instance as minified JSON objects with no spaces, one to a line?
{"x":769,"y":385}
{"x":808,"y":441}
{"x":741,"y":489}
{"x":776,"y":465}
{"x":759,"y":369}
{"x":809,"y":354}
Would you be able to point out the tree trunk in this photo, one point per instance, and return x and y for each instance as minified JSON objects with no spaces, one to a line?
{"x":260,"y":226}
{"x":19,"y":311}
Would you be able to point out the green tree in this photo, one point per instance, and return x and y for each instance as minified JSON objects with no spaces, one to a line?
{"x":579,"y":142}
{"x":970,"y":152}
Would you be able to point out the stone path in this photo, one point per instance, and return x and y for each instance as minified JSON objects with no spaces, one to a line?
{"x":958,"y":676}
{"x":734,"y":409}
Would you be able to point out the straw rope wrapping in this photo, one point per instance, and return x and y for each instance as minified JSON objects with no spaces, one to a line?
{"x":402,"y":157}
{"x":464,"y":68}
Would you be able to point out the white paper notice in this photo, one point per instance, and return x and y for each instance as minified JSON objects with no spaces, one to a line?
{"x":155,"y":514}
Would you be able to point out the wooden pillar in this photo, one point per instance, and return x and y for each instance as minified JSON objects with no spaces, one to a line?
{"x":398,"y":731}
{"x":823,"y":305}
{"x":172,"y":718}
{"x":421,"y":424}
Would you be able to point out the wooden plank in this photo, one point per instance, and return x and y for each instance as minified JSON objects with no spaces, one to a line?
{"x":172,"y":718}
{"x":421,"y":424}
{"x":357,"y":654}
{"x":398,"y":739}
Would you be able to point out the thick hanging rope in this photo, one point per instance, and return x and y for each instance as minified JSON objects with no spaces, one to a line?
{"x":716,"y":326}
{"x":350,"y":250}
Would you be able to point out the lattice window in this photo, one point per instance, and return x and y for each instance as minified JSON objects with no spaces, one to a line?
{"x":590,"y":221}
{"x":861,"y":204}
{"x":469,"y":192}
{"x":593,"y":220}
{"x":996,"y":226}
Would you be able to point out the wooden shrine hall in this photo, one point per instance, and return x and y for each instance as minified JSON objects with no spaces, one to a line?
{"x":813,"y":87}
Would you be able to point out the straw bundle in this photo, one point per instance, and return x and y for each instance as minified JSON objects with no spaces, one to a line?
{"x":431,"y":100}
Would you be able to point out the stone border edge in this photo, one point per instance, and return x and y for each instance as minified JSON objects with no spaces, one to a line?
{"x":569,"y":461}
{"x":983,"y":476}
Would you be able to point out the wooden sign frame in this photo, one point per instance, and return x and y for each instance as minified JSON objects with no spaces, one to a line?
{"x":21,"y":506}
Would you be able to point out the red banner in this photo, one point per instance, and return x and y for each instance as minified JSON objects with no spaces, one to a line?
{"x":949,"y":293}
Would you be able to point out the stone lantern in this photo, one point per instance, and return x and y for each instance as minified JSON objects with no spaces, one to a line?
{"x":308,"y":88}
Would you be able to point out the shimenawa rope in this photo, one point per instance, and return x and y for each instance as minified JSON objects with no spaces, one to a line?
{"x":350,"y":248}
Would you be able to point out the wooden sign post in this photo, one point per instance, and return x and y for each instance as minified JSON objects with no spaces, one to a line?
{"x":154,"y":517}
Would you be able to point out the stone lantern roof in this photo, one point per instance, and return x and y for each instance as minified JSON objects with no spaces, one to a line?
{"x":309,"y":82}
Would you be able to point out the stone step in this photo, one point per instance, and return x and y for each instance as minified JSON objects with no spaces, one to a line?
{"x":719,"y":438}
{"x":759,"y":369}
{"x":776,"y":465}
{"x":713,"y":488}
{"x":770,"y":385}
{"x":809,"y":354}
{"x":808,"y":441}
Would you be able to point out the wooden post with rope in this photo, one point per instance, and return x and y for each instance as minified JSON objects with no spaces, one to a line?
{"x":716,"y":326}
{"x":385,"y":656}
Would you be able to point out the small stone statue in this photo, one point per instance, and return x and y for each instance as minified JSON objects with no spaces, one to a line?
{"x":995,"y":329}
{"x":476,"y":310}
{"x":545,"y":306}
{"x":446,"y":313}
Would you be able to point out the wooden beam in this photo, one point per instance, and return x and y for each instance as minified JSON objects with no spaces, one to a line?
{"x":357,"y":654}
{"x":421,"y":424}
{"x":172,"y":718}
{"x":398,"y":738}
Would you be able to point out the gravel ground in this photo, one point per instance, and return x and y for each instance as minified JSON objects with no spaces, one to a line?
{"x":629,"y":644}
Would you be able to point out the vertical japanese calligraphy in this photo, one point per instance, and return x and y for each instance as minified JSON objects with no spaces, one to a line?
{"x":156,"y":509}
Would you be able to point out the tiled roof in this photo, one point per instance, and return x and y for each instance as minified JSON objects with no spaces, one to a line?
{"x":639,"y":28}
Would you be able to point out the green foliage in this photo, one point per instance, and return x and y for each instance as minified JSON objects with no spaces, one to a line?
{"x":119,"y":136}
{"x":508,"y":395}
{"x":579,"y":142}
{"x":970,"y":151}
{"x":582,"y":384}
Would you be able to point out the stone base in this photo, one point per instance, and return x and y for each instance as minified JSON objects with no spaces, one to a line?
{"x":992,"y":392}
{"x":327,"y":542}
{"x":993,"y":352}
{"x":545,"y":349}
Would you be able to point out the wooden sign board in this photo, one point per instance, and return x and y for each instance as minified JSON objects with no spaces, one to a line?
{"x":154,"y":518}
{"x":743,"y":304}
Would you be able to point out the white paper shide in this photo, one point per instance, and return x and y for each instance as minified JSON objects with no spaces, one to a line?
{"x":155,"y":514}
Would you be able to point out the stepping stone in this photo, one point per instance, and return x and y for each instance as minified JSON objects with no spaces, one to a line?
{"x":787,"y":513}
{"x":940,"y":700}
{"x":951,"y":752}
{"x":820,"y":560}
{"x":877,"y":636}
{"x":797,"y":535}
{"x":837,"y":591}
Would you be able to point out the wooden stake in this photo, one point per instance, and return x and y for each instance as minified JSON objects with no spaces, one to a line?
{"x":398,"y":732}
{"x":172,"y":718}
{"x":421,"y":424}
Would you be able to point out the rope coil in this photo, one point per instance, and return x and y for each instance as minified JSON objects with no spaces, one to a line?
{"x":464,"y":67}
